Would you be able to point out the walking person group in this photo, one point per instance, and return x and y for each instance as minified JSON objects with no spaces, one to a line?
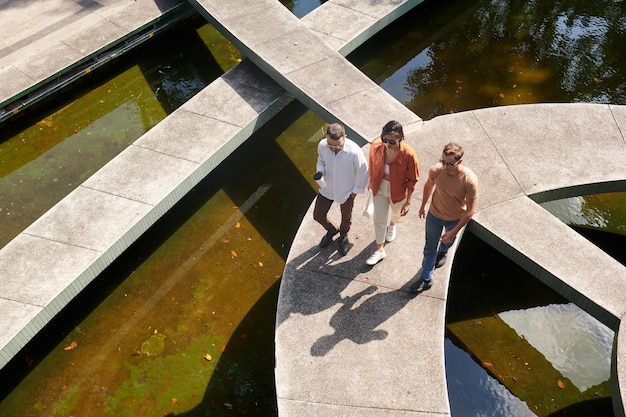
{"x":391,"y":174}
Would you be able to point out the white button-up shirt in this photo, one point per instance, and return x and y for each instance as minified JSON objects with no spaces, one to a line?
{"x":345,"y":172}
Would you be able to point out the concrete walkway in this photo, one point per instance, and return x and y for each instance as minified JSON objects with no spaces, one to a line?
{"x":349,"y":340}
{"x":39,"y":55}
{"x":363,"y":332}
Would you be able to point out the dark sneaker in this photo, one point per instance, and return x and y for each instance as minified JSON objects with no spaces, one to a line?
{"x":421,"y":285}
{"x":343,"y":245}
{"x":328,"y":237}
{"x":441,"y":259}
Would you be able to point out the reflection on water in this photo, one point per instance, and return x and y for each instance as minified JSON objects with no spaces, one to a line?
{"x":468,"y":55}
{"x":301,"y":8}
{"x":485,"y":288}
{"x":575,"y":211}
{"x":576,"y":344}
{"x":606,"y":212}
{"x":472,"y":391}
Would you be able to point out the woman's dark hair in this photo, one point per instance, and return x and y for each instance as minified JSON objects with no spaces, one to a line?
{"x":393,"y":126}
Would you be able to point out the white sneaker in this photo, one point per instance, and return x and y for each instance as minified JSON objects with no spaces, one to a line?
{"x":391,"y":233}
{"x":376,"y":257}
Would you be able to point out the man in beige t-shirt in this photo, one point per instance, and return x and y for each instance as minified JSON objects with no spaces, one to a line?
{"x":453,"y":204}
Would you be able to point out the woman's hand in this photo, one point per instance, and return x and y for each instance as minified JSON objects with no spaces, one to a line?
{"x":405,"y":209}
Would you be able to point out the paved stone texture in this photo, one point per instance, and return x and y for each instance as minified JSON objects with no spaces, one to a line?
{"x":36,"y":45}
{"x":350,"y":340}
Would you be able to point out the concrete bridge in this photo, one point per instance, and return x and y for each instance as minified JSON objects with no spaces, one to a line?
{"x":349,"y":340}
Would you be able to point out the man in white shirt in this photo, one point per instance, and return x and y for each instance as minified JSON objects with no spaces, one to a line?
{"x":345,"y":174}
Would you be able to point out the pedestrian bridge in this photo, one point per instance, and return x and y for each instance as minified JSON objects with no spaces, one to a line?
{"x":349,"y":341}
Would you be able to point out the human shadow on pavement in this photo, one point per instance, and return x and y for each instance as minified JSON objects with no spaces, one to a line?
{"x":360,"y":324}
{"x":323,"y":284}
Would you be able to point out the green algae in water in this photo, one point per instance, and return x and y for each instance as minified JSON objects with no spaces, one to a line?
{"x":154,"y":346}
{"x":160,"y":385}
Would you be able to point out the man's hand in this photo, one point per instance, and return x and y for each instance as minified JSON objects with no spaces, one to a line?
{"x":447,"y":237}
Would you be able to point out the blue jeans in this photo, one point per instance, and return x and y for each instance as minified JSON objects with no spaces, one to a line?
{"x":434,"y":230}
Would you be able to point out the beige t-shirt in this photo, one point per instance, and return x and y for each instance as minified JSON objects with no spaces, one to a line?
{"x":452,"y":192}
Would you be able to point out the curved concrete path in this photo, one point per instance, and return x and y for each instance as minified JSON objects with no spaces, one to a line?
{"x":349,"y":341}
{"x":352,"y":341}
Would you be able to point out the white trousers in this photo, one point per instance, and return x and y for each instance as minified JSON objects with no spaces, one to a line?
{"x":383,"y":209}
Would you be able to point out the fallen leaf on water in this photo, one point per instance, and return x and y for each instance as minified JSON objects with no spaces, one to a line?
{"x":488,"y":364}
{"x":501,"y":95}
{"x":208,"y":357}
{"x":596,"y":80}
{"x":560,"y":384}
{"x":233,"y":253}
{"x":71,"y":346}
{"x":228,"y":405}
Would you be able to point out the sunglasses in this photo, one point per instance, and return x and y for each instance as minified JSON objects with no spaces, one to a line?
{"x":450,"y":164}
{"x":337,"y":146}
{"x":389,"y":141}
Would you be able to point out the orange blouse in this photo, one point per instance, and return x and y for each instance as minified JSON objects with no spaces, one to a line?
{"x":403,"y":171}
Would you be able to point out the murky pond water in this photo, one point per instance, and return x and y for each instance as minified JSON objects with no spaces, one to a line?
{"x":182,"y":324}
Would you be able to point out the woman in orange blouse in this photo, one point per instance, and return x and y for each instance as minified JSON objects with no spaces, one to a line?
{"x":394,"y":172}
